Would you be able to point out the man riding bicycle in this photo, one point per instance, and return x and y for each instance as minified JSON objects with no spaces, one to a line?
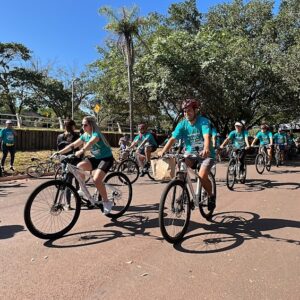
{"x":146,"y":145}
{"x":195,"y":131}
{"x":265,"y":138}
{"x":239,"y":138}
{"x":280,"y":141}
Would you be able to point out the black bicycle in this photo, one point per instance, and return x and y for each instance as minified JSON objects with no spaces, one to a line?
{"x":234,"y":171}
{"x":262,"y":160}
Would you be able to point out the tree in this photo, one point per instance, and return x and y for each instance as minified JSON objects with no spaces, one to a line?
{"x":126,"y":25}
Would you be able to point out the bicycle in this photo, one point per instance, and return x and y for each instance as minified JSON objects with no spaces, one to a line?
{"x":278,"y":155}
{"x":132,"y":167}
{"x":40,"y":168}
{"x":176,"y":203}
{"x":234,"y":172}
{"x":53,"y":208}
{"x":262,"y":160}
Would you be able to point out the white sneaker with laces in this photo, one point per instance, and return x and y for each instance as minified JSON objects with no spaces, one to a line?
{"x":107,"y":206}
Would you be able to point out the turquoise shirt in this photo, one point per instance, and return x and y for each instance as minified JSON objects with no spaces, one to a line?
{"x":192,"y":134}
{"x":100,"y":149}
{"x":7,"y":135}
{"x":238,"y":139}
{"x":264,"y":138}
{"x":141,"y":137}
{"x":279,"y":138}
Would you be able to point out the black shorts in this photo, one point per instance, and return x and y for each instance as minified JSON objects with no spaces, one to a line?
{"x":142,"y":150}
{"x":103,"y":164}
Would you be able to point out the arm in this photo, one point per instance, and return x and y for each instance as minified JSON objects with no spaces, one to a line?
{"x":206,"y":151}
{"x":167,"y":147}
{"x":225,"y":143}
{"x":70,"y":147}
{"x":247,"y":141}
{"x":213,"y":138}
{"x":87,"y":146}
{"x":254,"y":141}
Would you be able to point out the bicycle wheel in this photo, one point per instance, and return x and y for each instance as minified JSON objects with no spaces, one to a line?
{"x":260,"y":163}
{"x":174,"y":211}
{"x":243,"y":175}
{"x":203,"y":203}
{"x":277,"y":158}
{"x":119,"y":190}
{"x":213,"y":170}
{"x":150,"y":173}
{"x":52,"y":209}
{"x":268,"y":164}
{"x":231,"y":174}
{"x":130,"y":168}
{"x":35,"y":171}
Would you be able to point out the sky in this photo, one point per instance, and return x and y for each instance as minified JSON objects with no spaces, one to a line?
{"x":65,"y":33}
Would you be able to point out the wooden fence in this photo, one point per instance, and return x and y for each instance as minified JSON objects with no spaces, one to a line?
{"x":32,"y":140}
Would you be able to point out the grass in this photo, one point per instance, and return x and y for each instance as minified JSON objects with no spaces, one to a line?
{"x":23,"y":160}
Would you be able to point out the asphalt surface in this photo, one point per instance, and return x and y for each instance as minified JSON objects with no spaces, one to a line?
{"x":250,"y":250}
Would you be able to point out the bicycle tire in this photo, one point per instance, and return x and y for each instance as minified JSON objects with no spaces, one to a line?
{"x":35,"y":171}
{"x":150,"y":173}
{"x":130,"y":168}
{"x":182,"y":201}
{"x":57,"y":213}
{"x":259,"y":163}
{"x":243,"y":177}
{"x":117,"y":185}
{"x":231,"y":174}
{"x":203,"y":205}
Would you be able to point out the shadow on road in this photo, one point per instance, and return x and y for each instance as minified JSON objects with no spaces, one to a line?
{"x":229,"y":230}
{"x":86,"y":238}
{"x":8,"y":231}
{"x":10,"y":184}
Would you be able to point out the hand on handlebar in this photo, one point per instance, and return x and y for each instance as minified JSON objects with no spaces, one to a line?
{"x":54,"y":155}
{"x":204,"y":153}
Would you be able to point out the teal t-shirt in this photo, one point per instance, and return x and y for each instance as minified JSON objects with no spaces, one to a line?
{"x":264,"y":137}
{"x":100,"y":149}
{"x":141,"y":137}
{"x":7,"y":135}
{"x":279,"y":138}
{"x":192,"y":134}
{"x":238,"y":139}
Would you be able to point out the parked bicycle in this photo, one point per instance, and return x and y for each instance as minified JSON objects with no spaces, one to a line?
{"x":42,"y":167}
{"x":234,"y":170}
{"x":262,"y":160}
{"x":53,"y":208}
{"x":179,"y":198}
{"x":133,"y":167}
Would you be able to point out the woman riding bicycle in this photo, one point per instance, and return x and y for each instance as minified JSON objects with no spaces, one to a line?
{"x":195,"y":131}
{"x":92,"y":139}
{"x":265,"y":138}
{"x":239,"y":138}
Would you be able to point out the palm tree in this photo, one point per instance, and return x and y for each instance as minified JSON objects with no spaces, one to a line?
{"x":126,"y":24}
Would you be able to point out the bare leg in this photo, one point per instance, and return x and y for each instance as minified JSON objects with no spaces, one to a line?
{"x":98,"y":180}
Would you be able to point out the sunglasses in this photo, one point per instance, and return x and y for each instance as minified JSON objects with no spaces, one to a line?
{"x":84,"y":125}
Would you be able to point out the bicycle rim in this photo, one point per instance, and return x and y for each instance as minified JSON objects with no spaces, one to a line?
{"x":130,"y":169}
{"x":119,"y":190}
{"x":203,"y":203}
{"x":52,"y":209}
{"x":35,"y":171}
{"x":230,"y":177}
{"x":260,"y":163}
{"x":174,"y":211}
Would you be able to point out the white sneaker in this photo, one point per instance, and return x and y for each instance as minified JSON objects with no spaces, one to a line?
{"x":80,"y":193}
{"x":107,"y":206}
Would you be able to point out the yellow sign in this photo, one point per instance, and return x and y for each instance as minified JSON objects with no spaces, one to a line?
{"x":97,"y":108}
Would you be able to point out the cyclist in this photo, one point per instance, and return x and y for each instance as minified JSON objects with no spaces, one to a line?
{"x":92,"y":139}
{"x":216,"y":142}
{"x":239,"y":139}
{"x":195,"y":131}
{"x":146,"y":145}
{"x":265,"y":138}
{"x":8,"y":137}
{"x":280,"y":141}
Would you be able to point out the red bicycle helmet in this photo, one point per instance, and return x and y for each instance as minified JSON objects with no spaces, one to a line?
{"x":187,"y":103}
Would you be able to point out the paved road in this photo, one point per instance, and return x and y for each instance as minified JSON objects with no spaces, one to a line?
{"x":251,"y":250}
